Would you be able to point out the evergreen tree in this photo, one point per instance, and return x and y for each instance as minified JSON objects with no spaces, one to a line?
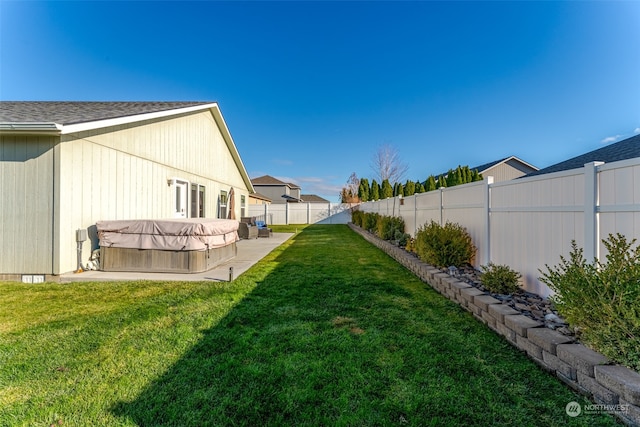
{"x":442,"y":182}
{"x":364,"y":190}
{"x":386,"y":190}
{"x":375,"y":191}
{"x":409,"y":188}
{"x":430,"y":185}
{"x":419,"y":188}
{"x":399,"y":190}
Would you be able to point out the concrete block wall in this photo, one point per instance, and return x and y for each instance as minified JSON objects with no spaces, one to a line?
{"x":581,"y":368}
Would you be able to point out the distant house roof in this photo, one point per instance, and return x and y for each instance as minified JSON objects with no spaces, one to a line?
{"x":487,"y":166}
{"x":259,"y":197}
{"x":623,"y":150}
{"x":269,"y":180}
{"x":312,"y":198}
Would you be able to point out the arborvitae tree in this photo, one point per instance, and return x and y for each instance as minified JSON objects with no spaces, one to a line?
{"x":364,"y":190}
{"x":476,"y":176}
{"x":467,"y":175}
{"x":442,"y":182}
{"x":399,"y":190}
{"x":386,"y":190}
{"x":375,"y":191}
{"x":409,"y":188}
{"x":420,"y":187}
{"x":430,"y":184}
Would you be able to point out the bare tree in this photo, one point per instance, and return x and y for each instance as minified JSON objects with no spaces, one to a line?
{"x":387,"y":164}
{"x":349,"y":194}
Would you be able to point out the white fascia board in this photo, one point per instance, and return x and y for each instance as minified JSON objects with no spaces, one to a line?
{"x":80,"y":127}
{"x":44,"y":128}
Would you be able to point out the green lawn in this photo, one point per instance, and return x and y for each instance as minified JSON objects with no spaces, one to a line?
{"x":326,"y":330}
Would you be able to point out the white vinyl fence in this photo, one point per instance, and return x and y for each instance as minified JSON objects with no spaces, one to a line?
{"x":302,"y":213}
{"x":528,"y":223}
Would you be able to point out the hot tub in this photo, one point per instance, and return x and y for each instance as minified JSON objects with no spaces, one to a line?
{"x":189,"y":245}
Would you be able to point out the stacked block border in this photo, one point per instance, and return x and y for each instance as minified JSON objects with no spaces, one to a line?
{"x":579,"y":367}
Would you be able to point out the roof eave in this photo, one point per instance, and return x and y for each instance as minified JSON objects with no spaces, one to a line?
{"x":30,"y":128}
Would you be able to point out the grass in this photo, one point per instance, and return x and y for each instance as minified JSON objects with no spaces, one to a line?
{"x":326,"y":330}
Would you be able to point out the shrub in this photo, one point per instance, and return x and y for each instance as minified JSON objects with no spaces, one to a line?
{"x":602,"y":299}
{"x":444,"y":246}
{"x":388,"y":226}
{"x":371,"y":221}
{"x":500,"y":278}
{"x":358,"y":217}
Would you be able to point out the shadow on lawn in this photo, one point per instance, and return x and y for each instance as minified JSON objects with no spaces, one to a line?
{"x":271,"y":360}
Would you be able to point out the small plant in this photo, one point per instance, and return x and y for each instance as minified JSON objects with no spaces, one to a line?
{"x":500,"y":279}
{"x":602,"y":299}
{"x":444,"y":246}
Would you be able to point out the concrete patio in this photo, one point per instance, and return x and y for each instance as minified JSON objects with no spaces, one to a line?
{"x":249,"y":252}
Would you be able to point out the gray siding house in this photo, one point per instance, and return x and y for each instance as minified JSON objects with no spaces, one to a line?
{"x":66,"y":165}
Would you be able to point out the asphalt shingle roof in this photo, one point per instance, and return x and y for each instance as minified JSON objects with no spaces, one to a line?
{"x":623,"y":150}
{"x":67,"y":112}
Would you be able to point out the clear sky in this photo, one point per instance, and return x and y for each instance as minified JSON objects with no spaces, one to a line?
{"x":310,"y":90}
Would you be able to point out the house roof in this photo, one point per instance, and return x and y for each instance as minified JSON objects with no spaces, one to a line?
{"x":623,"y":150}
{"x":269,"y":180}
{"x":259,"y":197}
{"x":486,"y":166}
{"x":312,"y":198}
{"x":67,"y":113}
{"x":65,"y":117}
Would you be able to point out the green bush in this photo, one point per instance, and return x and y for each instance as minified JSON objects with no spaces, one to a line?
{"x":358,"y":217}
{"x":602,"y":299}
{"x":371,"y":221}
{"x":500,"y":278}
{"x":444,"y":246}
{"x":388,"y":226}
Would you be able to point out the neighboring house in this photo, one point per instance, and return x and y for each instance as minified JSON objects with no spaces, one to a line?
{"x":312,"y":198}
{"x":505,"y":169}
{"x":623,"y":150}
{"x":66,"y":165}
{"x":278,"y":191}
{"x":259,"y":199}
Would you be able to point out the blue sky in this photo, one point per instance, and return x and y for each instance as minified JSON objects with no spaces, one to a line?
{"x":310,"y":90}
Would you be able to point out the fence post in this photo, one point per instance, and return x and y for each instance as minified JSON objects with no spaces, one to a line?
{"x":591,"y":217}
{"x":286,"y":213}
{"x":441,"y":206}
{"x":485,"y":252}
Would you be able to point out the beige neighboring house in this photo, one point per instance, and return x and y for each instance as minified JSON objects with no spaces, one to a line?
{"x":506,"y":169}
{"x":259,"y":199}
{"x":283,"y":192}
{"x":66,"y":165}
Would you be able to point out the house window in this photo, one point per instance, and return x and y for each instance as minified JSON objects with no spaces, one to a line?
{"x":243,"y":203}
{"x":223,"y":204}
{"x":197,"y":201}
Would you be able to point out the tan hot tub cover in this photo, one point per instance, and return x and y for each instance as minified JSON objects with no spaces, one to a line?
{"x":181,"y":234}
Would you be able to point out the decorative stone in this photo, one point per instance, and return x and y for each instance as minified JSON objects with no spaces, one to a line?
{"x":500,"y":310}
{"x":600,"y":393}
{"x":483,"y":301}
{"x":559,"y":366}
{"x":519,"y":324}
{"x":620,"y":379}
{"x":547,"y":339}
{"x":581,"y":357}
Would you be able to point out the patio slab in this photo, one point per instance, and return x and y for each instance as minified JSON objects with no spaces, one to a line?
{"x":249,"y":252}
